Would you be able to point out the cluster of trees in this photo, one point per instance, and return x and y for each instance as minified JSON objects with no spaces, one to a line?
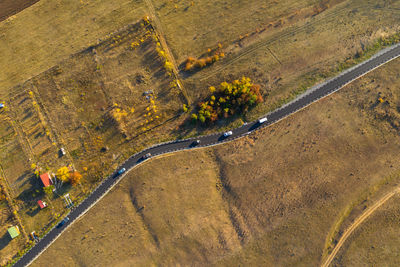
{"x":196,"y":64}
{"x":229,"y":99}
{"x":65,"y":175}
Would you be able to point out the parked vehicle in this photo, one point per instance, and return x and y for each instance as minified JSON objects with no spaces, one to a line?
{"x":195,"y":143}
{"x":34,"y":236}
{"x":66,"y":219}
{"x":148,"y":155}
{"x":121,"y":171}
{"x":229,"y":133}
{"x":262,"y":120}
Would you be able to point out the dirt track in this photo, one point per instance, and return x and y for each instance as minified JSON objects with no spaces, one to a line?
{"x":356,"y":223}
{"x":12,"y":7}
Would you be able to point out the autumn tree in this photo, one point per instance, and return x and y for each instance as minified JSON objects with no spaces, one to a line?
{"x":75,"y":178}
{"x":230,"y":98}
{"x":63,"y":174}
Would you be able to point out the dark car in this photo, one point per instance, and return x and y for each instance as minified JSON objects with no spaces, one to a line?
{"x":195,"y":143}
{"x":66,"y":219}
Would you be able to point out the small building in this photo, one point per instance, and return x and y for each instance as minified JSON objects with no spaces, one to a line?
{"x":13,"y":231}
{"x":46,"y":180}
{"x":42,"y":204}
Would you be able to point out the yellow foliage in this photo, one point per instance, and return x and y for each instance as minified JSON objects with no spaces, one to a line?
{"x":118,"y":114}
{"x":33,"y":166}
{"x":63,"y":174}
{"x":168,"y":66}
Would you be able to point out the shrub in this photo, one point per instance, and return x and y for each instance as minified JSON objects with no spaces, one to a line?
{"x":168,"y":66}
{"x":192,"y":64}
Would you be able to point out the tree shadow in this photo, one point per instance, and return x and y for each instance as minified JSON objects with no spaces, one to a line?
{"x":23,"y":177}
{"x":34,"y":184}
{"x":5,"y":240}
{"x":33,"y":212}
{"x":64,"y":189}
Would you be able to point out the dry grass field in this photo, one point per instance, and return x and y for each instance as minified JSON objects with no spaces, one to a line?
{"x":100,"y":105}
{"x":271,"y":198}
{"x":86,"y":76}
{"x":8,"y":246}
{"x":283,"y":45}
{"x":42,"y":35}
{"x":376,"y":242}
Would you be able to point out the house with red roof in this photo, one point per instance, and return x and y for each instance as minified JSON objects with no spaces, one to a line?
{"x":42,"y":204}
{"x":46,"y":180}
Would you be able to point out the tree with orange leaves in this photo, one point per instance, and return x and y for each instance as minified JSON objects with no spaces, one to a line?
{"x":75,"y":178}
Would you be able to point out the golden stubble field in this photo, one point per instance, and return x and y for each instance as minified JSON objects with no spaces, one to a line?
{"x":269,"y":199}
{"x":39,"y":37}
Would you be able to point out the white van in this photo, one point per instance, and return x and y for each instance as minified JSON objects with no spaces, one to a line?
{"x":262,"y":120}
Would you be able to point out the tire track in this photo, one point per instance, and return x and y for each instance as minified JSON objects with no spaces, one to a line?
{"x":357,"y":223}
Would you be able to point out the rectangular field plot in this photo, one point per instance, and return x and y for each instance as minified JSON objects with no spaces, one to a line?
{"x":28,"y":115}
{"x":193,"y":27}
{"x":108,"y":93}
{"x":15,"y":165}
{"x":8,"y":246}
{"x":7,"y":132}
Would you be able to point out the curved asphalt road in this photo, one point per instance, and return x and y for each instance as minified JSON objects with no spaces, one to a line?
{"x":297,"y":104}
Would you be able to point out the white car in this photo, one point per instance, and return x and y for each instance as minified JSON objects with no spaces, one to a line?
{"x":262,"y":120}
{"x":229,"y":133}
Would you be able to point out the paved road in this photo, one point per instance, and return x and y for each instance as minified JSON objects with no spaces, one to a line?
{"x":297,"y":104}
